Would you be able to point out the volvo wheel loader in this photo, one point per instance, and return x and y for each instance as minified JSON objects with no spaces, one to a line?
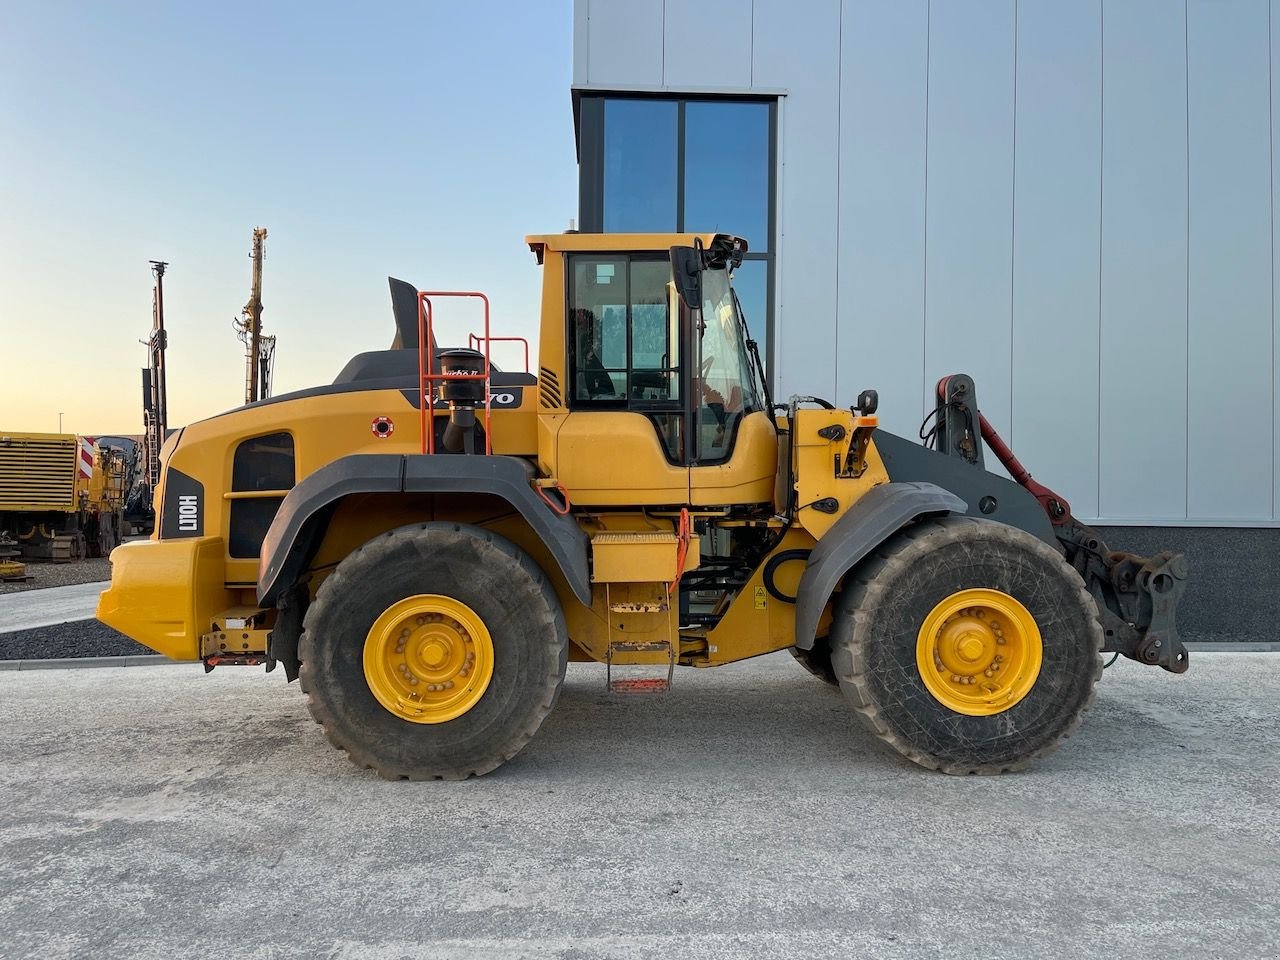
{"x":427,"y":541}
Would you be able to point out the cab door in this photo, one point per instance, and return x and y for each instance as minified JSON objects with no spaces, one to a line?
{"x":625,"y":438}
{"x":663,"y":404}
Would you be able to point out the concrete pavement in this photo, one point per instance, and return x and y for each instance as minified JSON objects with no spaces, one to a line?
{"x":158,"y":813}
{"x":42,"y":608}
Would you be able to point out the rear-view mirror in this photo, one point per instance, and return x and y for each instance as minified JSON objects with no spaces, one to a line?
{"x":686,"y":273}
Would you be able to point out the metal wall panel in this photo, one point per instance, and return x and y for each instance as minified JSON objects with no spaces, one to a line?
{"x":1229,"y":287}
{"x":581,"y":40}
{"x":1142,"y":430}
{"x":797,"y":46}
{"x":707,"y":44}
{"x":1057,"y":223}
{"x":624,"y":42}
{"x":1275,"y":266}
{"x":883,"y":71}
{"x":969,"y":215}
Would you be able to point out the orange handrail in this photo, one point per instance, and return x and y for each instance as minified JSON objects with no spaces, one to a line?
{"x":474,"y":340}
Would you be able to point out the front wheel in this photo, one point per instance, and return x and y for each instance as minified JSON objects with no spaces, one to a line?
{"x":433,"y":652}
{"x":967,"y":645}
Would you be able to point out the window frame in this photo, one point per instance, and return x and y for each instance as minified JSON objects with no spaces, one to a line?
{"x":591,"y":135}
{"x":680,"y":406}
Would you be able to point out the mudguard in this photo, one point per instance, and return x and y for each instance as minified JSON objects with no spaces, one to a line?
{"x":299,"y":525}
{"x":881,"y":513}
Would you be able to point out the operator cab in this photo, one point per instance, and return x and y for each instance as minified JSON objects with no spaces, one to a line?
{"x":651,"y":391}
{"x":638,"y":342}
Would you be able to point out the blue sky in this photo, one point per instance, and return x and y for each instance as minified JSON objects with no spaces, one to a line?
{"x":420,"y":140}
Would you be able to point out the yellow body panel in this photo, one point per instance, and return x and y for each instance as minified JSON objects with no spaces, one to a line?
{"x":755,"y":622}
{"x":748,"y":475}
{"x":164,"y":594}
{"x":614,"y":458}
{"x":634,"y":557}
{"x":818,"y":465}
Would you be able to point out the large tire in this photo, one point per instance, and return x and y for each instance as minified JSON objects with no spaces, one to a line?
{"x":881,"y":619}
{"x":504,"y":589}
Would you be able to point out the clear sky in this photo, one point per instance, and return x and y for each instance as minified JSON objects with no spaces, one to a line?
{"x":421,"y":140}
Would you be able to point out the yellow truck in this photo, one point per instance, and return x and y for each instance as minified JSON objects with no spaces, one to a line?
{"x":61,"y":495}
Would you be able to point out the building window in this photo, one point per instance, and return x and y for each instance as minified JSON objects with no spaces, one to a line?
{"x":726,"y":170}
{"x":698,"y":164}
{"x":640,"y":166}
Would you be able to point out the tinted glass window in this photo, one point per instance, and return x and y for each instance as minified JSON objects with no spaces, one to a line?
{"x":624,"y":331}
{"x":639,"y":166}
{"x":726,"y":170}
{"x":250,"y":520}
{"x":264,"y":463}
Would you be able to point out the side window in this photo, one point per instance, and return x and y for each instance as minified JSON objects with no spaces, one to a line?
{"x":624,"y":335}
{"x":261,"y":465}
{"x":655,"y":339}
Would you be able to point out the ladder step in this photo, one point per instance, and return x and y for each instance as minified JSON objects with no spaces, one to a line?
{"x":641,"y":646}
{"x":640,"y":685}
{"x":632,"y":684}
{"x":642,"y":607}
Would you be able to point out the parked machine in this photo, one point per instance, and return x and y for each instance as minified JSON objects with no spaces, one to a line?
{"x":62,"y":496}
{"x":427,"y":540}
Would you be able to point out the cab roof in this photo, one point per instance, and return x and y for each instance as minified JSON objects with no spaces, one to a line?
{"x":617,"y":242}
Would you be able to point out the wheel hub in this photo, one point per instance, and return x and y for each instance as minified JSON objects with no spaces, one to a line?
{"x":428,"y":658}
{"x":979,"y":652}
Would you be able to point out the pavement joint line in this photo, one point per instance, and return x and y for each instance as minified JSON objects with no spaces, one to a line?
{"x":158,"y":660}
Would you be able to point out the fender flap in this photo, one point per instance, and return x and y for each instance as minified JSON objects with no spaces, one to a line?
{"x":295,"y":532}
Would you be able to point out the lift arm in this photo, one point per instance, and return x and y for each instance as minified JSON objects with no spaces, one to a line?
{"x":1136,"y":596}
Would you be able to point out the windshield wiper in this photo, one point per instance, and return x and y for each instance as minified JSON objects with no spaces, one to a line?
{"x":754,"y":350}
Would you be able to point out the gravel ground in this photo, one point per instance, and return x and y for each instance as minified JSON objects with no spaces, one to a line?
{"x":60,"y":574}
{"x":151,"y":813}
{"x":82,"y":638}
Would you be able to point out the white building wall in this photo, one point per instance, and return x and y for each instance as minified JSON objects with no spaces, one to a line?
{"x":1071,"y":202}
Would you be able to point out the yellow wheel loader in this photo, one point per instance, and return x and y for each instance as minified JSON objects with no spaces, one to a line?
{"x":427,"y":541}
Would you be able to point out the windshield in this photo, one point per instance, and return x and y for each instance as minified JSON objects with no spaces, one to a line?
{"x":727,"y":379}
{"x":726,"y":367}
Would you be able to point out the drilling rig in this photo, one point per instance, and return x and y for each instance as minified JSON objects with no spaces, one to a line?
{"x":140,"y":510}
{"x":259,"y":350}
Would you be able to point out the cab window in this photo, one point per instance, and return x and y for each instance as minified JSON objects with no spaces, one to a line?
{"x":624,"y":340}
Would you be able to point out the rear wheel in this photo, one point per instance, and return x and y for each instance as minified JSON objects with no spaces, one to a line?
{"x":433,"y":651}
{"x":968,"y":646}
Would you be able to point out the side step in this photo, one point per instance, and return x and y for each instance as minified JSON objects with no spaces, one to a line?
{"x":640,"y":684}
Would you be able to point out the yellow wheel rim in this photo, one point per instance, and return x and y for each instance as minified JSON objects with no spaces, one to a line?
{"x":428,"y":659}
{"x":979,"y":652}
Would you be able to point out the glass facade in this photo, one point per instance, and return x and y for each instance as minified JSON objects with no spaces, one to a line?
{"x":726,"y":170}
{"x":640,"y":166}
{"x":686,"y":164}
